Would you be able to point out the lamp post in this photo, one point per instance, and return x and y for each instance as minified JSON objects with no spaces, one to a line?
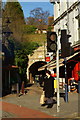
{"x":5,"y":35}
{"x":57,"y":64}
{"x":6,"y":31}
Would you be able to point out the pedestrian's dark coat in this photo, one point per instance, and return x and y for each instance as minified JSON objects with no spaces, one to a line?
{"x":49,"y":86}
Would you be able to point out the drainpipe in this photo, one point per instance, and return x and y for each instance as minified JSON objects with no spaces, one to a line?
{"x":68,"y":32}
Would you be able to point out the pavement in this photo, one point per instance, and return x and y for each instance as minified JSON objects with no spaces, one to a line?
{"x":28,"y":106}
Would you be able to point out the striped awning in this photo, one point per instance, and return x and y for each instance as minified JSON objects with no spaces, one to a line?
{"x":52,"y":64}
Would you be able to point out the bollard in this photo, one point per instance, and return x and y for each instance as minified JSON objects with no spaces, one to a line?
{"x":66,"y":93}
{"x":78,"y":86}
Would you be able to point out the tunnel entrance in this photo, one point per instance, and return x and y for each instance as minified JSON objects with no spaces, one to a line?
{"x":33,"y":70}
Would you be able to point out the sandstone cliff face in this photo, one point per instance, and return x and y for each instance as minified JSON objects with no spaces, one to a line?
{"x":38,"y":55}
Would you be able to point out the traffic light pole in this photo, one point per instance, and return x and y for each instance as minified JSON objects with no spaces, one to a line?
{"x":57,"y":64}
{"x":66,"y":81}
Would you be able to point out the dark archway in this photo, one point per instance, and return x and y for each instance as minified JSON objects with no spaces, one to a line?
{"x":33,"y":70}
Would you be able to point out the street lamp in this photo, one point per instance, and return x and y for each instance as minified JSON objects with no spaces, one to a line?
{"x":6,"y":32}
{"x":5,"y":35}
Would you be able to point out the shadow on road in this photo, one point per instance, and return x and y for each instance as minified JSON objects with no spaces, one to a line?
{"x":49,"y":105}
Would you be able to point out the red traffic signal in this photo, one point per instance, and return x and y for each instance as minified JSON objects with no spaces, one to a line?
{"x":51,"y":41}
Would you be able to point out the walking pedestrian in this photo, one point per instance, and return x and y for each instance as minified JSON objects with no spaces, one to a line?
{"x":49,"y":87}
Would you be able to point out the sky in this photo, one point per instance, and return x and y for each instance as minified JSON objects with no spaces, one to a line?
{"x":33,"y":0}
{"x":28,"y":6}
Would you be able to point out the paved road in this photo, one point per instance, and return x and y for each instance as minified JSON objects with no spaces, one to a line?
{"x":22,"y":112}
{"x":27,"y":106}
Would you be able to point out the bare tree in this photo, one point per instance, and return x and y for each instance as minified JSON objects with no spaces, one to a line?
{"x":38,"y":17}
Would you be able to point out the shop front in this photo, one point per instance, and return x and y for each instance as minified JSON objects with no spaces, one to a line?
{"x":73,"y":67}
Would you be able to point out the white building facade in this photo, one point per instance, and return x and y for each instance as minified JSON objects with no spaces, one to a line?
{"x":67,"y":16}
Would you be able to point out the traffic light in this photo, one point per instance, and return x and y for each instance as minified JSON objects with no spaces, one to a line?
{"x":65,"y":45}
{"x":51,"y":41}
